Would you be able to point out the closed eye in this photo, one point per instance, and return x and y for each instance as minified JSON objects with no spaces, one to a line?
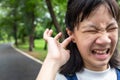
{"x":112,"y":29}
{"x":91,"y":31}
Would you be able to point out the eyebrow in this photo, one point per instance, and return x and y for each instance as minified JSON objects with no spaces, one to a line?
{"x":112,"y":23}
{"x":95,"y":27}
{"x":89,"y":26}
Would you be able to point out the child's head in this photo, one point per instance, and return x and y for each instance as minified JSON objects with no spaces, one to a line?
{"x":78,"y":10}
{"x":94,"y":30}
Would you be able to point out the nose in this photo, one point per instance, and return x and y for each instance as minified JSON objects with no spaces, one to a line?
{"x":103,"y":39}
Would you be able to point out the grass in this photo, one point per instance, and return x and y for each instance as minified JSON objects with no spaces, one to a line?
{"x":38,"y":52}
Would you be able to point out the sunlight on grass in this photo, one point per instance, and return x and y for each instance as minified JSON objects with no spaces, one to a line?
{"x":39,"y":43}
{"x":38,"y":52}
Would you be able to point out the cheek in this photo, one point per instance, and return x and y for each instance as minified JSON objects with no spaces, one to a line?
{"x":84,"y":42}
{"x":114,"y":37}
{"x":114,"y":40}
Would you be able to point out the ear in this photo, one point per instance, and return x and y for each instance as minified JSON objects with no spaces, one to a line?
{"x":70,"y":33}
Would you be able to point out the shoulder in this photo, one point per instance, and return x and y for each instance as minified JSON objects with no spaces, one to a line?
{"x":60,"y":77}
{"x":118,"y":69}
{"x":118,"y":73}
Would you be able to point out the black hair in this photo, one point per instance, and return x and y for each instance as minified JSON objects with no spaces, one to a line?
{"x":77,"y":11}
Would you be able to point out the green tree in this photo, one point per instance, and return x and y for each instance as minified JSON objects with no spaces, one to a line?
{"x":29,"y":18}
{"x":11,"y":19}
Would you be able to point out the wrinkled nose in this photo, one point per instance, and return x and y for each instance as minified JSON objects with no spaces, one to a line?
{"x":103,"y":39}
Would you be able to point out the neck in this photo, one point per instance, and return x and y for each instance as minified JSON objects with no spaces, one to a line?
{"x":98,"y":68}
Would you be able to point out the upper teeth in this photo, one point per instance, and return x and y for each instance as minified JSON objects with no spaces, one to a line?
{"x":100,"y":52}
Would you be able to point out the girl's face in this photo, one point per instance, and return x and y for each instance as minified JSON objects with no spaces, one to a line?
{"x":96,"y":38}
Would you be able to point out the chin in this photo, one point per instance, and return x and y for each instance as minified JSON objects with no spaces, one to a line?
{"x":102,"y":65}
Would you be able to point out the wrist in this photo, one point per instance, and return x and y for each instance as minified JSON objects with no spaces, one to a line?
{"x":49,"y":68}
{"x":52,"y":64}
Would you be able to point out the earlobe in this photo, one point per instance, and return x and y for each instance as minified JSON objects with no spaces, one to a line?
{"x":70,"y":33}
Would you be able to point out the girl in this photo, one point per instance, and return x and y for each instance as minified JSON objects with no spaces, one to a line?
{"x":89,"y":51}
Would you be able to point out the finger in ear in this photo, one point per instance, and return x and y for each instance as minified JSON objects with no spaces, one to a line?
{"x":70,"y":33}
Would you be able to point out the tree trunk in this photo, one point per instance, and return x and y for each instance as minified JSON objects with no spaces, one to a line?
{"x":55,"y":22}
{"x":15,"y":26}
{"x":31,"y":42}
{"x":23,"y":38}
{"x":31,"y":36}
{"x":15,"y":33}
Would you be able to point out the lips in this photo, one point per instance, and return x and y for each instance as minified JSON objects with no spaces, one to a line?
{"x":101,"y":54}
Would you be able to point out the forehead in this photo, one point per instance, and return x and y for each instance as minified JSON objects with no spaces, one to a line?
{"x":101,"y":9}
{"x":100,"y":16}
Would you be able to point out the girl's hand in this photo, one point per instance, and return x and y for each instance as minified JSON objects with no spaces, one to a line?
{"x":56,"y":57}
{"x":57,"y":52}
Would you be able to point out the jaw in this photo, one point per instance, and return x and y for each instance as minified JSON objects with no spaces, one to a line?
{"x":98,"y":61}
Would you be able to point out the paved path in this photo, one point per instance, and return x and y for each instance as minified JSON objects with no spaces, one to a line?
{"x":15,"y":66}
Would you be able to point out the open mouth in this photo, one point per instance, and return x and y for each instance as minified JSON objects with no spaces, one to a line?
{"x":101,"y":52}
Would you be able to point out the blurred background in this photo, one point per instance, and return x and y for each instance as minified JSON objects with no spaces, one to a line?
{"x":23,"y":22}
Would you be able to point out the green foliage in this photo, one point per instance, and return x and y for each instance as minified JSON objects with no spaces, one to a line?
{"x":20,"y":12}
{"x":60,"y":9}
{"x":39,"y":31}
